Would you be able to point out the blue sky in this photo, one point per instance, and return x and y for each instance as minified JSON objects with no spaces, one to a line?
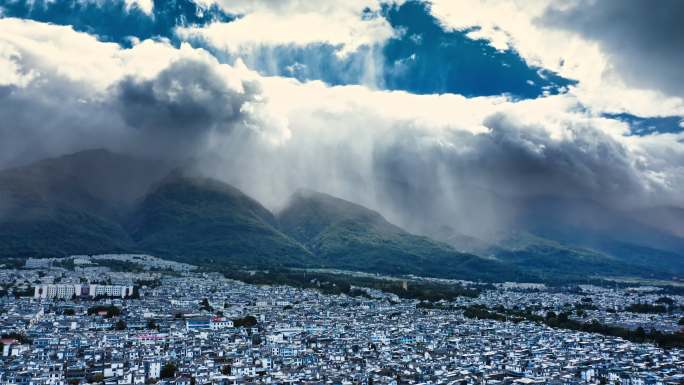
{"x":114,"y":21}
{"x":423,"y":58}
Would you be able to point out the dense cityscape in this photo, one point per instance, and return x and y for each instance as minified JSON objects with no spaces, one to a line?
{"x":126,"y":319}
{"x":341,"y":192}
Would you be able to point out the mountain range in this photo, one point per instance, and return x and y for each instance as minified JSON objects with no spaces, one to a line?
{"x":100,"y":202}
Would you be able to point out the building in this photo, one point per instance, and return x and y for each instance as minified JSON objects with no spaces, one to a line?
{"x":197,"y":324}
{"x":220,"y":323}
{"x":67,"y":291}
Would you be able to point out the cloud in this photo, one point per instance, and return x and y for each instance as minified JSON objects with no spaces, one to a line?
{"x":577,"y":40}
{"x":426,"y":159}
{"x":643,"y":41}
{"x":346,"y":26}
{"x":340,"y":43}
{"x":384,"y":45}
{"x":121,"y":21}
{"x":147,"y":6}
{"x":419,"y":159}
{"x":184,"y":105}
{"x":381,"y":44}
{"x":67,"y":91}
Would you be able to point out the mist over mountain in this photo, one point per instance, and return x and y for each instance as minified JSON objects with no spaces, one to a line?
{"x":527,"y":133}
{"x":353,"y":237}
{"x":99,"y":202}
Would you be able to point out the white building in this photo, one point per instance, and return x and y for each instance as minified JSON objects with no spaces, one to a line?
{"x":67,"y":291}
{"x":111,"y":291}
{"x":56,"y":291}
{"x":220,"y":323}
{"x":153,"y":369}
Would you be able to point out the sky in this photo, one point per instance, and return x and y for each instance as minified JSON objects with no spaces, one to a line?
{"x":442,"y":111}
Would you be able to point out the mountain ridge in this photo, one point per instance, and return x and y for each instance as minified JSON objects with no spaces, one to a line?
{"x":348,"y":235}
{"x":98,"y":202}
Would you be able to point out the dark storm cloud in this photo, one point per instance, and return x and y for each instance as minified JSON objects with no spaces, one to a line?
{"x":477,"y":183}
{"x":643,"y":39}
{"x":591,"y":165}
{"x":37,"y":123}
{"x":179,"y":108}
{"x":169,"y":116}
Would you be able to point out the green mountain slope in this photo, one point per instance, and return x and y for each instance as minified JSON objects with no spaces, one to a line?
{"x":206,"y":221}
{"x":71,"y":204}
{"x":550,"y":259}
{"x":628,"y":237}
{"x":41,"y":231}
{"x":349,"y":236}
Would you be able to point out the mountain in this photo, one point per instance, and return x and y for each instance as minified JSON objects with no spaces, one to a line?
{"x":348,"y":236}
{"x":550,"y":259}
{"x":590,"y":226}
{"x":100,"y":202}
{"x":71,"y":204}
{"x":96,"y":180}
{"x":212,"y":222}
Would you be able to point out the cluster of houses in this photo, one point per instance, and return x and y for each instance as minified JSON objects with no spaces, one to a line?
{"x":193,"y":329}
{"x":606,"y":305}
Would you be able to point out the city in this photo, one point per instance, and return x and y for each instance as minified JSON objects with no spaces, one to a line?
{"x":184,"y":326}
{"x":341,"y":192}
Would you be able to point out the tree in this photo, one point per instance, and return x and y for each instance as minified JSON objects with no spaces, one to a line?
{"x":120,"y":325}
{"x":168,"y":370}
{"x":204,"y":305}
{"x":256,"y":339}
{"x":151,"y":324}
{"x":225,"y":370}
{"x":136,"y":293}
{"x":112,"y":311}
{"x":665,"y":301}
{"x":681,"y":321}
{"x":640,"y":333}
{"x":248,"y":321}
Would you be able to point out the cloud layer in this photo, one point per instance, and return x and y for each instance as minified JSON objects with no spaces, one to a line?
{"x":644,"y":41}
{"x":422,"y":160}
